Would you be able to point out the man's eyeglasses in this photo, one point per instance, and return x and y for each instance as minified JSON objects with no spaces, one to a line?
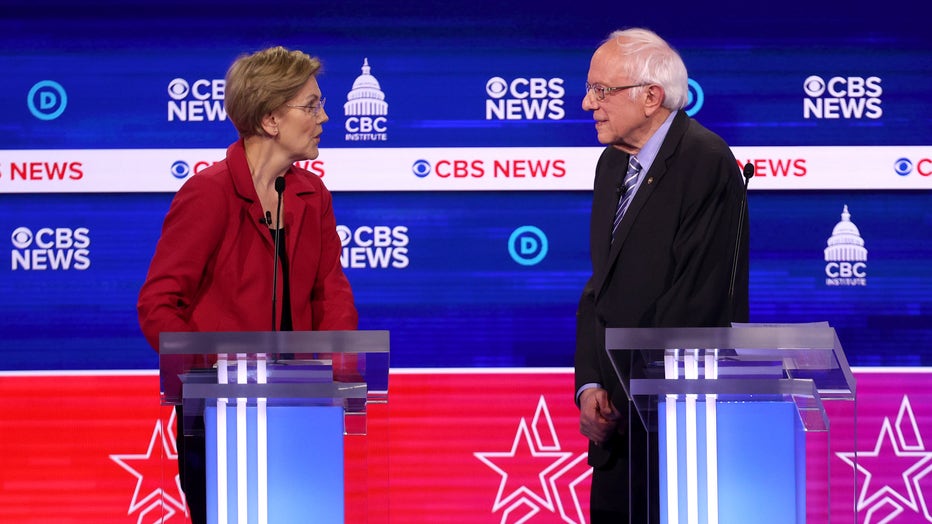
{"x":314,"y":108}
{"x":601,"y":91}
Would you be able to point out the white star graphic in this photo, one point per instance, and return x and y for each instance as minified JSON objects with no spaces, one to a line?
{"x":540,"y":486}
{"x":881,"y":496}
{"x":568,"y":487}
{"x":146,"y":467}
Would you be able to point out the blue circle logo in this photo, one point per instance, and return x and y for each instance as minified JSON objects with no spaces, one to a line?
{"x":527,"y":245}
{"x":180,"y":169}
{"x":47,"y":100}
{"x":696,"y":98}
{"x":421,"y":168}
{"x":903,"y":166}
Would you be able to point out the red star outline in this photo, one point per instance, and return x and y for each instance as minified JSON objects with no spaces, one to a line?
{"x":886,"y":493}
{"x":563,"y":475}
{"x":569,"y":485}
{"x":523,"y":435}
{"x":139,"y":499}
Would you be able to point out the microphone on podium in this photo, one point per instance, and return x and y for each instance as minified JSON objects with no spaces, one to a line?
{"x":748,"y":174}
{"x":279,"y":188}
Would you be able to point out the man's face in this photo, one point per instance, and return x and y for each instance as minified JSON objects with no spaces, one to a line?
{"x":619,"y":117}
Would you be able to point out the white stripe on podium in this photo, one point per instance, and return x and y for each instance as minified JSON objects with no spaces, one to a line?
{"x":242,"y":467}
{"x":671,"y":372}
{"x":223,"y":516}
{"x":693,"y":478}
{"x":242,"y":429}
{"x":262,"y":444}
{"x":691,"y":372}
{"x":711,"y":439}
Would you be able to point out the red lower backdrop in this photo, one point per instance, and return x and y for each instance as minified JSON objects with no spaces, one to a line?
{"x":454,"y":446}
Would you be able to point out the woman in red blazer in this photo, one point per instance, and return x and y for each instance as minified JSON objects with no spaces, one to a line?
{"x":212,"y":268}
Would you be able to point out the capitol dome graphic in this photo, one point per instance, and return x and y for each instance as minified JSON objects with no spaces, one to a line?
{"x":366,"y":97}
{"x":846,"y":243}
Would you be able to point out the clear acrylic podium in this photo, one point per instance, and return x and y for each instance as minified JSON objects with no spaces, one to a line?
{"x":277,"y":409}
{"x":732,"y":407}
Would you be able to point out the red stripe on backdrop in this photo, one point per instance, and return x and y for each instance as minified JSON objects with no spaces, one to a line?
{"x":68,"y":444}
{"x":486,"y":447}
{"x":464,"y":447}
{"x":890,"y":478}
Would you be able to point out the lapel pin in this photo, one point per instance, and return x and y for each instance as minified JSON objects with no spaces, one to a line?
{"x":650,"y":180}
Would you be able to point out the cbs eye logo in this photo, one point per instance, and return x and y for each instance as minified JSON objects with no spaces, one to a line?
{"x":345,"y":234}
{"x":496,"y":87}
{"x":178,"y":89}
{"x":421,"y":168}
{"x":21,"y":238}
{"x":905,"y":167}
{"x":180,"y":169}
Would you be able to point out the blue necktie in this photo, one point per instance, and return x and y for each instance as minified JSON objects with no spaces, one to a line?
{"x":631,"y":178}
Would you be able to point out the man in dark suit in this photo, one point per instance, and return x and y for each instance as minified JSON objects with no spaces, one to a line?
{"x":665,"y":213}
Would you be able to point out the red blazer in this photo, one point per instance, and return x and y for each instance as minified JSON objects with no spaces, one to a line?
{"x":212,"y":268}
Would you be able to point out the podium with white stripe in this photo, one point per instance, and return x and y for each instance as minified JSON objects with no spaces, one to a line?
{"x":732,"y":407}
{"x":276,"y":407}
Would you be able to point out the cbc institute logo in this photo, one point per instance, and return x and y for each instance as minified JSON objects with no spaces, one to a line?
{"x":845,"y":256}
{"x":365,"y":109}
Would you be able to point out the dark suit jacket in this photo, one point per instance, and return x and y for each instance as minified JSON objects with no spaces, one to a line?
{"x":670,"y":264}
{"x":212,"y":269}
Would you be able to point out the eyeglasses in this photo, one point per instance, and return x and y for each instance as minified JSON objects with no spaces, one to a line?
{"x":314,"y":108}
{"x":601,"y":91}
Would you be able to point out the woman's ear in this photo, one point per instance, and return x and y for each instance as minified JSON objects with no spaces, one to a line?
{"x":270,"y":124}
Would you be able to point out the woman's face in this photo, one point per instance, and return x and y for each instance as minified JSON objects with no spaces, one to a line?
{"x":302,"y":121}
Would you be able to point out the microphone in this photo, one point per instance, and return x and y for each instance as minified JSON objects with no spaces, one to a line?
{"x":748,"y":174}
{"x":267,"y":219}
{"x":279,"y":188}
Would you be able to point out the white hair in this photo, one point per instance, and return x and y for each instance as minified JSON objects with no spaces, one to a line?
{"x":651,"y":60}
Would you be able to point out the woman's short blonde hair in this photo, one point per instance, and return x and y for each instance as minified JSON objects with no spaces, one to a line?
{"x":259,"y":83}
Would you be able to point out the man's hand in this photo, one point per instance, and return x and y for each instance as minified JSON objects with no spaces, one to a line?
{"x":598,"y":418}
